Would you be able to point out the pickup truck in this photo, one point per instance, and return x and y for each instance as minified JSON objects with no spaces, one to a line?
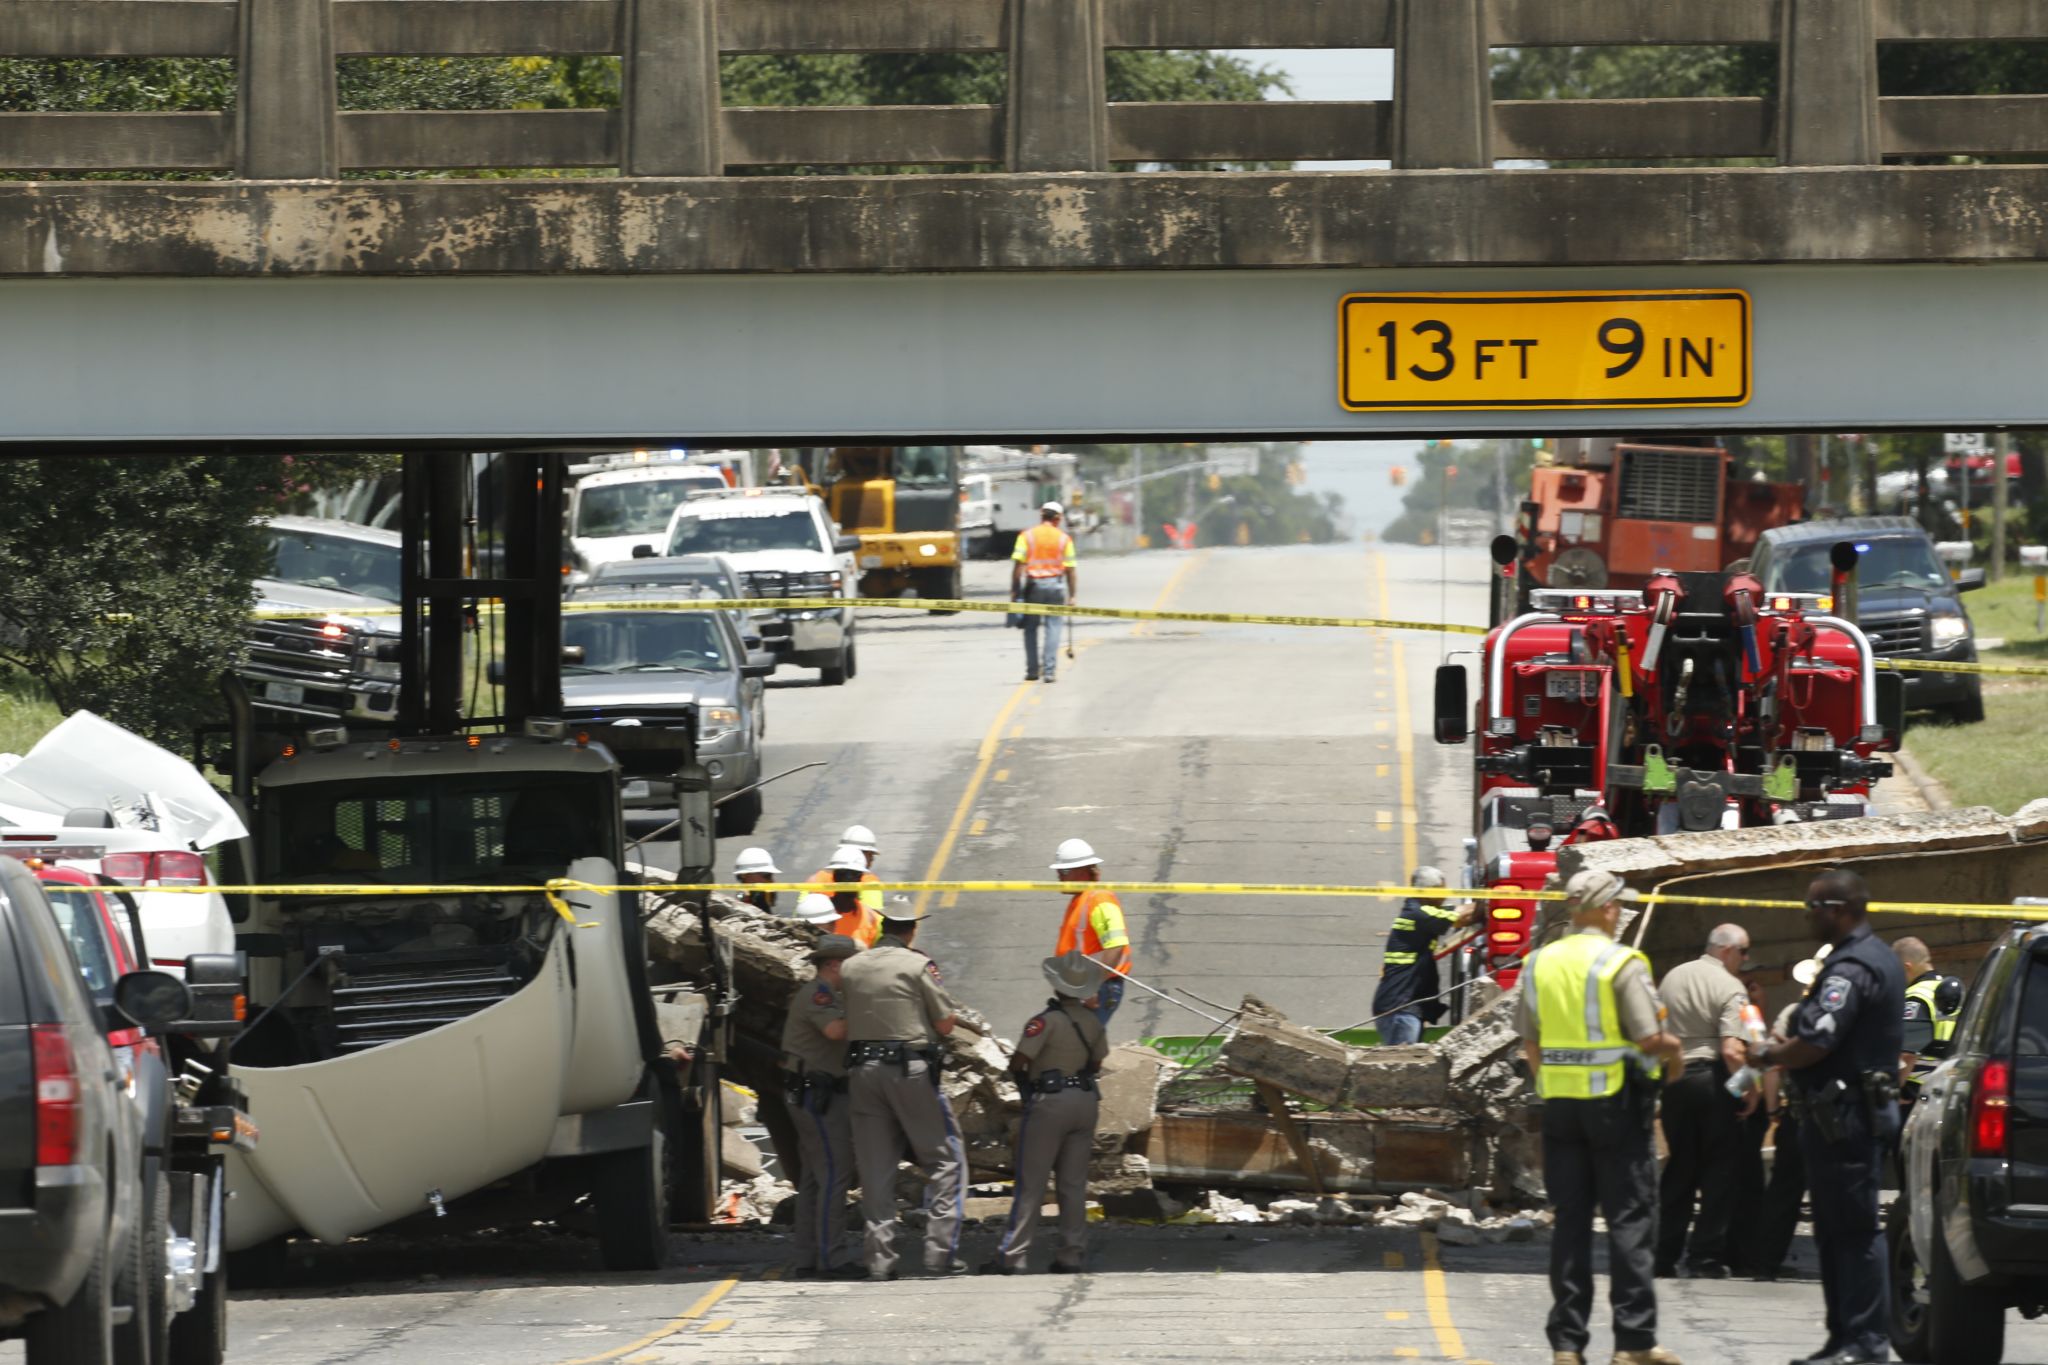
{"x":1969,"y":1232}
{"x":325,"y":641}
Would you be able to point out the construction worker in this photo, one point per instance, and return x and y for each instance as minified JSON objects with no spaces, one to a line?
{"x":1056,"y":1061}
{"x":816,"y":909}
{"x":1843,"y":1057}
{"x":860,"y":910}
{"x":814,"y":1087}
{"x":1933,"y":1004}
{"x":1593,"y":826}
{"x":1094,"y":923}
{"x":863,"y":838}
{"x":1406,"y":999}
{"x":897,"y":1017}
{"x":1593,"y":1035}
{"x":1042,"y":570}
{"x":1703,"y":999}
{"x":754,"y":866}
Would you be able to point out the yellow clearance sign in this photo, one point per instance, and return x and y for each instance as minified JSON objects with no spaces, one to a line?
{"x":1670,"y":348}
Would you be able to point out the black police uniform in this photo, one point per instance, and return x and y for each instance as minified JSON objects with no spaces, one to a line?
{"x":1848,"y":1118}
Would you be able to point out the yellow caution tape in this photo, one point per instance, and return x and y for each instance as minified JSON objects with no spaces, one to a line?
{"x":555,"y":889}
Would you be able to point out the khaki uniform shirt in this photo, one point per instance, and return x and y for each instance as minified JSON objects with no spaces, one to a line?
{"x":1635,"y":1000}
{"x":1705,"y":1001}
{"x":892,"y":994}
{"x":1065,"y":1037}
{"x":805,"y":1047}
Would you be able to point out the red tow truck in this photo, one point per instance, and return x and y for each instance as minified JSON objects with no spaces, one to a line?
{"x":1694,"y":703}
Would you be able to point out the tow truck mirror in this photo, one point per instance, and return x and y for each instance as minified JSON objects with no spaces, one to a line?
{"x":152,"y":1000}
{"x":219,"y":1001}
{"x":1891,"y":708}
{"x":1452,"y":706}
{"x":697,"y":822}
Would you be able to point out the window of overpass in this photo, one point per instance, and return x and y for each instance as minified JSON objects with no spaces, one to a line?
{"x":1677,"y":105}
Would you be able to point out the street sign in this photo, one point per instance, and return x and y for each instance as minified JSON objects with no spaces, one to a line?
{"x":1234,"y":462}
{"x":1673,"y":348}
{"x":1965,"y":443}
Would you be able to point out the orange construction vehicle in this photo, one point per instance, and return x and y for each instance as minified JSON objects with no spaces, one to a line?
{"x":1612,"y":512}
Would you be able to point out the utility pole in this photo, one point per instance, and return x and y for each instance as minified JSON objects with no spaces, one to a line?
{"x":2001,"y":445}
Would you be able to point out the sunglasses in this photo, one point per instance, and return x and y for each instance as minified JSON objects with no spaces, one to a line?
{"x":1813,"y":904}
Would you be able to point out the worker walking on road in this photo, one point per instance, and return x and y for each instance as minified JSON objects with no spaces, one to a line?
{"x":1844,"y":1059}
{"x":814,"y":1086}
{"x":1405,"y":999}
{"x":1933,"y":1004}
{"x":1704,"y":998}
{"x":1056,"y":1061}
{"x":1042,"y":570}
{"x":753,"y":867}
{"x":1593,"y":1035}
{"x":897,"y":1017}
{"x":1094,"y":923}
{"x":860,"y":910}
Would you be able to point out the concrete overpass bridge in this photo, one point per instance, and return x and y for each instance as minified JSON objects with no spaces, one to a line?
{"x":666,"y":294}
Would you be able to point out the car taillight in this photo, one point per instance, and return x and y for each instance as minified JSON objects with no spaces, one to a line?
{"x":56,"y":1097}
{"x":1990,"y":1103}
{"x":126,"y":867}
{"x":179,"y":868}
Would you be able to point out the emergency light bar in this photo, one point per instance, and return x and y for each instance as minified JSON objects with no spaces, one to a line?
{"x":1567,"y":599}
{"x":1798,"y":601}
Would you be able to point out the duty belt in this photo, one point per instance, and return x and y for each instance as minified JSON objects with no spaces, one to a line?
{"x":1052,"y":1082}
{"x":892,"y":1051}
{"x":798,"y":1087}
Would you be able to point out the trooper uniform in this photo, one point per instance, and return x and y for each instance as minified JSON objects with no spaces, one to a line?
{"x":1847,"y":1103}
{"x":1584,"y":999}
{"x":1058,"y":1056}
{"x":893,"y":999}
{"x":814,"y":1085}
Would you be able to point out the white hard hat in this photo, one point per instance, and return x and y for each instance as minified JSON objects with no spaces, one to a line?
{"x":815,"y":907}
{"x":755,"y":860}
{"x":1053,"y":508}
{"x":1428,"y":876}
{"x":848,"y":858}
{"x":860,"y":837}
{"x":1075,"y":853}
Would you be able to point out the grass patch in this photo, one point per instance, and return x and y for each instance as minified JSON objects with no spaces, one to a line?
{"x":1996,"y":763}
{"x":2006,"y":610}
{"x":26,"y":715}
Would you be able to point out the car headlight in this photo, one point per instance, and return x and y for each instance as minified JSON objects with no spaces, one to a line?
{"x":385,"y":672}
{"x":717,"y":721}
{"x":1948,"y":630}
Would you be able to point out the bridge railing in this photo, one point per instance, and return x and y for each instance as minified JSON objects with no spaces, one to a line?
{"x":672,"y":120}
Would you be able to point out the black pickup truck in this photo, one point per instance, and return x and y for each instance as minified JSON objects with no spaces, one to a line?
{"x":1969,"y":1231}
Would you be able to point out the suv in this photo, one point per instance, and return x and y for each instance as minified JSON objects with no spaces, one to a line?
{"x":326,"y":644}
{"x":1969,"y":1233}
{"x":623,"y":660}
{"x":784,"y":544}
{"x":760,"y":627}
{"x":1905,"y":602}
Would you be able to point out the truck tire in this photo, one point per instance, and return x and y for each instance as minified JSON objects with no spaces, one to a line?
{"x":1965,"y":1322}
{"x":942,"y":584}
{"x":80,"y":1332}
{"x":837,"y":674}
{"x":631,"y":1198}
{"x":145,"y":1339}
{"x":740,"y":815}
{"x":199,"y":1335}
{"x":695,"y":1176}
{"x":1969,"y":711}
{"x":1906,"y":1315}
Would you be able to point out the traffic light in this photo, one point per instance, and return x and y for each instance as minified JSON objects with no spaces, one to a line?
{"x":1215,"y":483}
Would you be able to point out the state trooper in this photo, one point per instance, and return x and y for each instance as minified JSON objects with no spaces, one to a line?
{"x":1593,"y":1035}
{"x":897,"y":1017}
{"x":1843,"y":1056}
{"x":814,"y":1086}
{"x":1933,"y":1004}
{"x":1056,"y":1061}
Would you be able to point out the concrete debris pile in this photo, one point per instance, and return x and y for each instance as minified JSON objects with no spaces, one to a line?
{"x":755,"y":1200}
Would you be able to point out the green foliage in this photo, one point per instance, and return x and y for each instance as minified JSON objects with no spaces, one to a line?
{"x":1614,"y":73}
{"x":116,"y":85}
{"x":1995,"y":763}
{"x":1461,"y":477}
{"x":129,"y":578}
{"x":444,"y":82}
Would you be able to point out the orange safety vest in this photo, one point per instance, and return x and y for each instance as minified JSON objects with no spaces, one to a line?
{"x":1045,"y":551}
{"x":1095,"y":925}
{"x":862,"y":925}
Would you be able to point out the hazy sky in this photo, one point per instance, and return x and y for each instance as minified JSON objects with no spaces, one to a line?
{"x":1332,"y":74}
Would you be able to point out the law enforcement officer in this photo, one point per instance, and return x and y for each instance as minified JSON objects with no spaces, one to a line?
{"x":1703,"y":999}
{"x":1056,"y":1061}
{"x":1844,"y":1058}
{"x":1593,"y":1035}
{"x":897,"y":1014}
{"x":1933,"y":1003}
{"x":814,"y":1086}
{"x":1405,"y":998}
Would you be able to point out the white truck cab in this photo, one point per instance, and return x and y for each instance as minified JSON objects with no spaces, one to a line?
{"x":620,"y":505}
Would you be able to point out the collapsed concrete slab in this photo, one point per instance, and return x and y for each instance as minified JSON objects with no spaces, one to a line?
{"x":1353,"y":1153}
{"x":1315,"y":1066}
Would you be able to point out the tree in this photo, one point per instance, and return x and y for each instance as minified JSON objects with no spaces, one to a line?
{"x":129,"y":578}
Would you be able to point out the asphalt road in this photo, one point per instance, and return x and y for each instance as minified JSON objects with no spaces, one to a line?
{"x":1183,"y":752}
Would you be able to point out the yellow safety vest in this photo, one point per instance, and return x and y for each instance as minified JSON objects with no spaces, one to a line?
{"x":1923,"y":991}
{"x":1586,"y":1052}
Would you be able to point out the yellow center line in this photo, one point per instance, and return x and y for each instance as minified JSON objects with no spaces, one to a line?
{"x":978,"y":828}
{"x":992,"y":740}
{"x":1404,"y":731}
{"x":673,"y":1326}
{"x":1438,"y":1297}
